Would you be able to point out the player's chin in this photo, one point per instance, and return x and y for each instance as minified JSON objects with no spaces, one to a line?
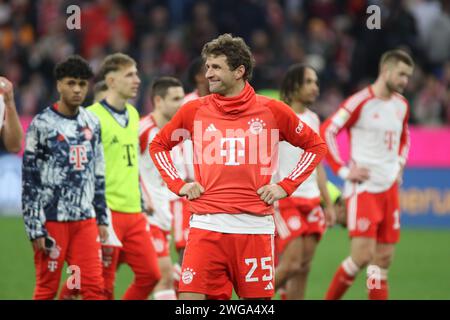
{"x":214,"y":87}
{"x":400,"y":90}
{"x":75,"y":102}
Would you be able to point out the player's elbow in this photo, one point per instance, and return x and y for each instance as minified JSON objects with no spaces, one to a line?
{"x":322,"y":150}
{"x":12,"y":140}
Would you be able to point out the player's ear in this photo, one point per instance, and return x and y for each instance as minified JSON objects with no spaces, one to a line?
{"x":58,"y":85}
{"x":239,"y":72}
{"x":110,"y":80}
{"x":156,"y":101}
{"x":386,"y":68}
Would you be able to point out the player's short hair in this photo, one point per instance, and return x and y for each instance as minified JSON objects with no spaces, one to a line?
{"x":100,"y":86}
{"x":235,"y":49}
{"x":114,"y":62}
{"x":194,"y":69}
{"x":394,"y":56}
{"x":292,"y":81}
{"x":161,"y":85}
{"x":73,"y":67}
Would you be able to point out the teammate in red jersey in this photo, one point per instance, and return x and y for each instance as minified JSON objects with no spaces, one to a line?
{"x":376,"y":118}
{"x":235,"y":134}
{"x":11,"y":131}
{"x":167,"y":96}
{"x":299,"y":219}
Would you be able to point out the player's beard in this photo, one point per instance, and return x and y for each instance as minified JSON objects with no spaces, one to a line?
{"x":216,"y":87}
{"x":309,"y":100}
{"x":393,"y":88}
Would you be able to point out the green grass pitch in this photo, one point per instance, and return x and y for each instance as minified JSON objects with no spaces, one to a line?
{"x":420,"y":269}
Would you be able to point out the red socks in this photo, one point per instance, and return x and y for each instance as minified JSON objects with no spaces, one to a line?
{"x":342,"y":280}
{"x":377,"y":283}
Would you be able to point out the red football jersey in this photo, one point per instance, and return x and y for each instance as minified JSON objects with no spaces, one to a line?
{"x":235,"y":150}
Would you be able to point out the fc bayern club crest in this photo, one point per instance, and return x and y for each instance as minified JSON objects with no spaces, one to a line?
{"x":256,"y":125}
{"x":188,"y":275}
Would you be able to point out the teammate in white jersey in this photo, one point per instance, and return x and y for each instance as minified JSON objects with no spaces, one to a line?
{"x":377,"y":120}
{"x":299,"y":219}
{"x":167,"y":96}
{"x":11,"y":131}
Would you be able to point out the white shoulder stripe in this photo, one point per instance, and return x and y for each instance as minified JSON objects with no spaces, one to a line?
{"x":355,"y":100}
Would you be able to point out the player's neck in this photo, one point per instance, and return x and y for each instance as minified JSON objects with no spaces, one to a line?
{"x":202,"y":90}
{"x":116,"y":101}
{"x":236,"y":90}
{"x":298,"y":106}
{"x":65,"y":110}
{"x":159,"y":118}
{"x":380,"y":90}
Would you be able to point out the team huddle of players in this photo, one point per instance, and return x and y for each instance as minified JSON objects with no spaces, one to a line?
{"x":234,"y":176}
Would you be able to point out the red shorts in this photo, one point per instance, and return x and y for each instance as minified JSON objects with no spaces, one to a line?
{"x":161,"y":241}
{"x":375,"y":215}
{"x":295,"y":217}
{"x":77,"y":244}
{"x":181,"y":217}
{"x":215,"y":262}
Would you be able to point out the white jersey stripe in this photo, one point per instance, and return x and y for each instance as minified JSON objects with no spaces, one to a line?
{"x":354,"y":101}
{"x":352,"y":210}
{"x":163,"y":165}
{"x":299,"y":164}
{"x":283,"y":230}
{"x":145,"y":124}
{"x":303,"y":161}
{"x":172,"y":168}
{"x":330,"y":137}
{"x":305,"y":167}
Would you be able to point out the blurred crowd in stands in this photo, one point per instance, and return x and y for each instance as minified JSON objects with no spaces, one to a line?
{"x":164,"y":36}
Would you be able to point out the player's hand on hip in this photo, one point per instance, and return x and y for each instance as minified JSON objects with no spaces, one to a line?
{"x":358,"y":174}
{"x":39,"y":244}
{"x":103,"y":233}
{"x":148,"y":209}
{"x":192,"y":190}
{"x":330,"y":216}
{"x":271,"y":193}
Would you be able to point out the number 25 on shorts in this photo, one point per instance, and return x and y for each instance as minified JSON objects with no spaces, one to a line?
{"x":265,"y":264}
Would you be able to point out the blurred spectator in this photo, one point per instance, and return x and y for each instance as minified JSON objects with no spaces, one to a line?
{"x":164,"y":36}
{"x":437,"y":40}
{"x":428,"y":105}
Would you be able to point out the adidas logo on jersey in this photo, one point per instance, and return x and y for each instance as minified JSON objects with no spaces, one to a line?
{"x":211,"y":127}
{"x":269,"y":286}
{"x":114,"y":140}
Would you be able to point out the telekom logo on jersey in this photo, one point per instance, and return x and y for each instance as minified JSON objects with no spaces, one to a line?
{"x":236,"y":147}
{"x":78,"y":156}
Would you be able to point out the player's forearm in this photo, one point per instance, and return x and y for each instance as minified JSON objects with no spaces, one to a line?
{"x":329,"y":132}
{"x":308,"y":162}
{"x":12,"y":132}
{"x":160,"y":154}
{"x":100,"y":201}
{"x":34,"y":227}
{"x":34,"y":222}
